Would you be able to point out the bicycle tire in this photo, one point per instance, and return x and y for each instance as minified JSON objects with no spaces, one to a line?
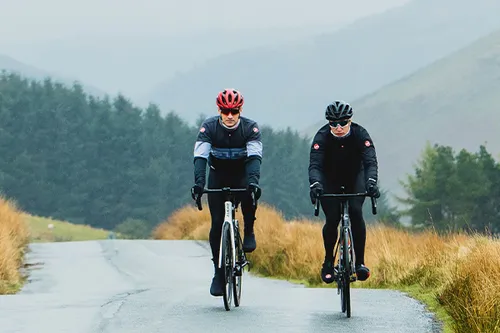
{"x":346,"y":274}
{"x":238,"y":278}
{"x":342,"y":296}
{"x":227,"y":266}
{"x":340,"y":274}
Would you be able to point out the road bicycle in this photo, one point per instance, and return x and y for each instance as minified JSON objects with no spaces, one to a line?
{"x":345,"y":273}
{"x":231,"y":255}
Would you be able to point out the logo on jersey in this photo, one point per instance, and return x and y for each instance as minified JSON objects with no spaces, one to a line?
{"x":202,"y":130}
{"x":367,"y":143}
{"x":316,"y":146}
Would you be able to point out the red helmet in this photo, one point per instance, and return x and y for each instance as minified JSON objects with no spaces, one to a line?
{"x":229,"y":99}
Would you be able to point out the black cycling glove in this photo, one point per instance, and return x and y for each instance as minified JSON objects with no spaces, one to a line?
{"x":372,"y":188}
{"x":196,"y":192}
{"x":316,"y":190}
{"x":255,"y":189}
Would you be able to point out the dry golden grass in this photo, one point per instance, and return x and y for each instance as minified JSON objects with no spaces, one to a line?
{"x":186,"y":223}
{"x":472,"y":295}
{"x":459,"y":271}
{"x":14,"y":236}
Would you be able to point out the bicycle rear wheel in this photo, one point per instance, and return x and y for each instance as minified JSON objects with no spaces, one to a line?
{"x":227,"y":266}
{"x":238,"y":274}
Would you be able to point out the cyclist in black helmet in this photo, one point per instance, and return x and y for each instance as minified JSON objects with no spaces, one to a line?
{"x":342,"y":154}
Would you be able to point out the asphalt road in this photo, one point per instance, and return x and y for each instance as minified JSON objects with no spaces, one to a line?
{"x":119,"y":286}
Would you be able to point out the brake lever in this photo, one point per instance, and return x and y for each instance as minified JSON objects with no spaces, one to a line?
{"x":374,"y":205}
{"x":198,"y":202}
{"x":316,"y":207}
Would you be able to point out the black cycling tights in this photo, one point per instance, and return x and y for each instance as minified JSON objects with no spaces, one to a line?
{"x":331,"y":208}
{"x":216,"y":206}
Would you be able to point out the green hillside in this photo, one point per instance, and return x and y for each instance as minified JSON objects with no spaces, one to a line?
{"x":451,"y":102}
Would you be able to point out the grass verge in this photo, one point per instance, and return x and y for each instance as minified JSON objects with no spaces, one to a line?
{"x":61,"y":231}
{"x":455,"y":275}
{"x":14,"y":236}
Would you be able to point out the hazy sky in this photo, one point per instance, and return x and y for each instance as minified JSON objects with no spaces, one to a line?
{"x":34,"y":19}
{"x":127,"y":45}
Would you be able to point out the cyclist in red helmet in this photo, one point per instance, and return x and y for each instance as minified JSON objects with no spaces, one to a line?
{"x":231,"y":144}
{"x":230,"y":99}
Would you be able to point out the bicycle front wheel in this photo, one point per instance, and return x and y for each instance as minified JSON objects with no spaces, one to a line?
{"x":346,"y":275}
{"x":227,"y":263}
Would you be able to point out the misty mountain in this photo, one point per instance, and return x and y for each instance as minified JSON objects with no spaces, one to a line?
{"x":289,"y":84}
{"x":13,"y":66}
{"x":453,"y":101}
{"x":133,"y":65}
{"x":133,"y":47}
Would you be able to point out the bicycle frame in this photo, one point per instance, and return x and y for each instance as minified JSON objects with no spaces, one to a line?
{"x":345,"y":228}
{"x":345,"y":275}
{"x":237,"y":257}
{"x":229,"y":217}
{"x":344,"y":211}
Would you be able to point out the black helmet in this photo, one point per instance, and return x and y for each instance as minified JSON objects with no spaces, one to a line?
{"x":338,"y":110}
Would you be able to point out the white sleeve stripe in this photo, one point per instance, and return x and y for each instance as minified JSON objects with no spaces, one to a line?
{"x":202,"y":149}
{"x":254,"y":148}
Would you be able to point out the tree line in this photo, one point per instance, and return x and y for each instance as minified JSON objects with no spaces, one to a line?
{"x":454,"y":191}
{"x":107,"y":163}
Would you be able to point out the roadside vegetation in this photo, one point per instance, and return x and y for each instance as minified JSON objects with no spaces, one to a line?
{"x":14,"y":236}
{"x":455,"y":274}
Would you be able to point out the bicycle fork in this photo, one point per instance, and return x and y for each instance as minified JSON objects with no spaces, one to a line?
{"x":347,"y":233}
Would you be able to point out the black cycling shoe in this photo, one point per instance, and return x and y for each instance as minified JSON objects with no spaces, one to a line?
{"x":362,"y":272}
{"x":328,"y":272}
{"x":249,"y":244}
{"x":217,"y":287}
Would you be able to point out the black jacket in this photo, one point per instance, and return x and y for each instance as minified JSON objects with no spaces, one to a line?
{"x":339,"y":161}
{"x":235,"y":152}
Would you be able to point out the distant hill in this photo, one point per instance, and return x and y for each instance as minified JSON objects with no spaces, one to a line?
{"x":455,"y":101}
{"x":135,"y":48}
{"x":11,"y":65}
{"x":290,"y":84}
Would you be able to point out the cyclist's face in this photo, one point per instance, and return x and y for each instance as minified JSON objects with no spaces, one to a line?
{"x":340,"y":128}
{"x":230,"y":116}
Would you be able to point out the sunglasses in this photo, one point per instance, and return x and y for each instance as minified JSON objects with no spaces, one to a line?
{"x":228,"y":111}
{"x":343,"y":122}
